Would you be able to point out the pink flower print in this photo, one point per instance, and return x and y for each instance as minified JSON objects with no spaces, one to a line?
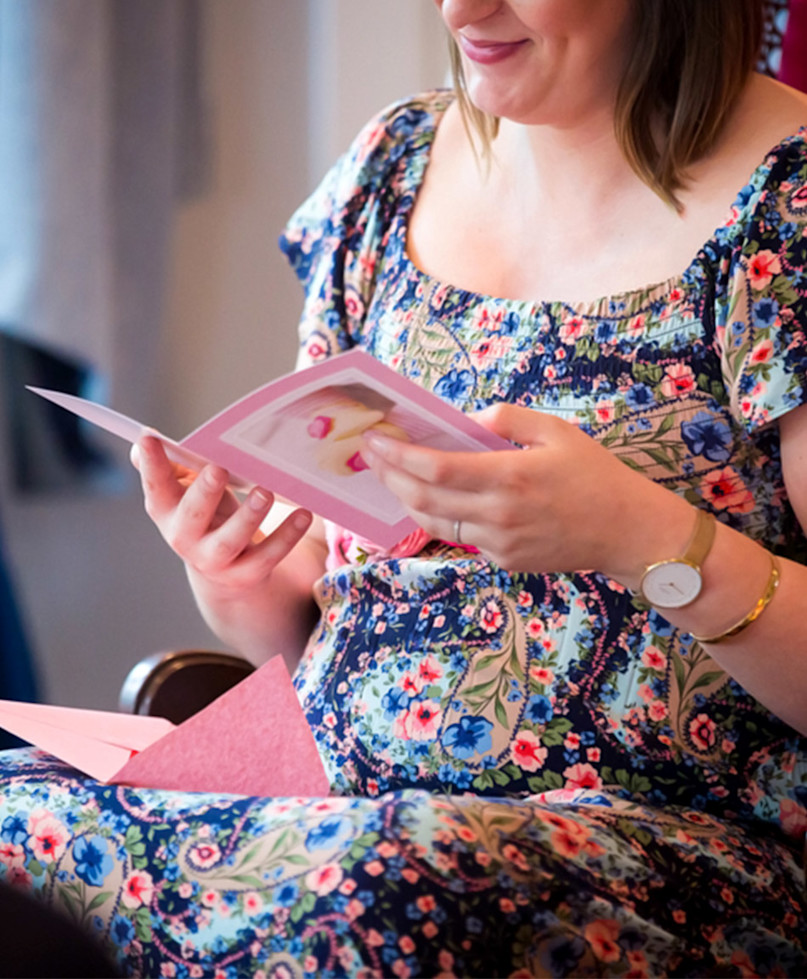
{"x":18,"y":877}
{"x":485,"y":322}
{"x":491,"y":616}
{"x":323,"y":880}
{"x":657,"y":710}
{"x":653,"y":658}
{"x":356,"y":463}
{"x":138,"y":889}
{"x":678,"y":380}
{"x":321,"y":427}
{"x":571,"y":329}
{"x":429,"y":670}
{"x":354,"y":304}
{"x":204,"y":855}
{"x":602,"y":936}
{"x":48,"y":836}
{"x":424,"y":720}
{"x":253,"y":903}
{"x":411,"y":683}
{"x":582,"y":776}
{"x":762,"y":268}
{"x":490,"y":350}
{"x":12,"y":855}
{"x":316,"y":350}
{"x":637,"y":325}
{"x":793,"y":817}
{"x":528,"y":751}
{"x":568,"y":840}
{"x":762,"y":352}
{"x":725,"y":490}
{"x":525,"y":599}
{"x":542,"y":675}
{"x":604,"y":410}
{"x":702,"y":731}
{"x":535,"y":628}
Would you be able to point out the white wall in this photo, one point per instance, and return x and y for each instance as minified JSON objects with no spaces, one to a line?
{"x":288,"y":84}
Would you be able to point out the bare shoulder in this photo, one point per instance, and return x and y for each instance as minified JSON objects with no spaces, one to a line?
{"x":768,"y":113}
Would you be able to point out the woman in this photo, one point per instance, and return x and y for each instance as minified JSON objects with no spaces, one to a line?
{"x":569,"y":782}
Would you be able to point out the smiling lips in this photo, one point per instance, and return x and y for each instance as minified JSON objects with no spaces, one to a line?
{"x":489,"y":52}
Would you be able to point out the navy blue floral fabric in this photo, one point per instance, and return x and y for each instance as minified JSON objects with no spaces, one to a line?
{"x":532,"y":774}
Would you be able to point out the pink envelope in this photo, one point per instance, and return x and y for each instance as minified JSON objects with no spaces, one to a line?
{"x":253,"y":740}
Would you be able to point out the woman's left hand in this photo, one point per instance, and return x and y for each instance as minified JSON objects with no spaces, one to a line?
{"x":562,"y":503}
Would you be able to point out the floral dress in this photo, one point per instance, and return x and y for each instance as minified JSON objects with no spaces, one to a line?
{"x":532,"y":774}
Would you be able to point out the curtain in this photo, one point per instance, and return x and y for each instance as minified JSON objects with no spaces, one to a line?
{"x":101,"y":127}
{"x":101,"y":132}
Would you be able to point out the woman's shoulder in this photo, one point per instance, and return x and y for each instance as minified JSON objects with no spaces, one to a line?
{"x":393,"y":138}
{"x":770,"y":122}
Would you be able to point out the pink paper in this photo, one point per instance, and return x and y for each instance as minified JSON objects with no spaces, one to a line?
{"x":301,"y":437}
{"x":253,"y":740}
{"x":93,"y":741}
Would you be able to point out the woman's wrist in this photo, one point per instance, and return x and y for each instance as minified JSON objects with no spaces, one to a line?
{"x":737,"y":577}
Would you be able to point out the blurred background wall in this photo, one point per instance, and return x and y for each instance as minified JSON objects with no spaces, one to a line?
{"x":280,"y":88}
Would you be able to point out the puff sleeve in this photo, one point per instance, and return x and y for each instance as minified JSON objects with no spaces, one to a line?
{"x":762,"y":318}
{"x":334,"y":241}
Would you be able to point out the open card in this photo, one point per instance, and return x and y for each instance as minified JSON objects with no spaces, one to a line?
{"x":253,"y":740}
{"x":301,"y":437}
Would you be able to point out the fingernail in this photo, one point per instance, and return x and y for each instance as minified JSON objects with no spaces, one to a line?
{"x":259,"y":499}
{"x":300,"y":519}
{"x":214,"y":477}
{"x":377,"y":443}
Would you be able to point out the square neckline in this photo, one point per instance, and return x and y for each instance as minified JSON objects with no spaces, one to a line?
{"x":602,"y":305}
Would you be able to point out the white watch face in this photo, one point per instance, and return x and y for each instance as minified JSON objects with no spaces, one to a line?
{"x":671,"y":584}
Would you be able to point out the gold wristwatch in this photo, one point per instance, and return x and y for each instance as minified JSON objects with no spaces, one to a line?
{"x":678,"y":581}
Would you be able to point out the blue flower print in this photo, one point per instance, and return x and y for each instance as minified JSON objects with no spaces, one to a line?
{"x":331,"y":831}
{"x":640,"y":396}
{"x":707,"y":436}
{"x":469,"y":736}
{"x":394,"y":701}
{"x":15,"y":829}
{"x":287,"y":894}
{"x":93,"y":862}
{"x":539,"y":709}
{"x":122,"y":931}
{"x":604,"y":331}
{"x":765,"y":312}
{"x":455,"y":385}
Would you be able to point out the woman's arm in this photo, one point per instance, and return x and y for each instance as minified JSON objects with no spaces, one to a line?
{"x":255,"y":591}
{"x":564,"y":503}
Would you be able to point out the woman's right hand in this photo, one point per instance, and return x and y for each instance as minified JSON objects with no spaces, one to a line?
{"x":218,"y":537}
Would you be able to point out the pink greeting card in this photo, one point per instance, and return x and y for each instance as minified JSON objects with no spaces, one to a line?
{"x":301,"y":437}
{"x":253,"y":740}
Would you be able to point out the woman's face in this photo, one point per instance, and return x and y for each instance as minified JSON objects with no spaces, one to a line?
{"x":541,"y":61}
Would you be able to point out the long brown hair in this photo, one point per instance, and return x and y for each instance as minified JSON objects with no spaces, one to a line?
{"x":688,"y":63}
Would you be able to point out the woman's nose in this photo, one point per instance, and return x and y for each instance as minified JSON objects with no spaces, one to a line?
{"x":458,"y":14}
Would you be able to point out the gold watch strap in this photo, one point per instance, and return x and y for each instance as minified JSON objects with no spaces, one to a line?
{"x":700,"y":543}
